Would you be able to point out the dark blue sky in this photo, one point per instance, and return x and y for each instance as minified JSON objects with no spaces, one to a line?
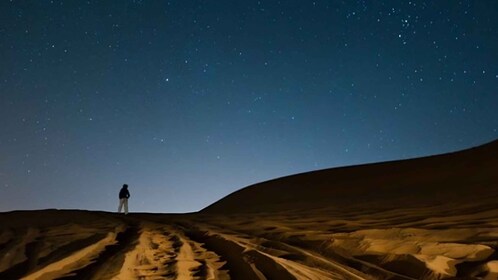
{"x":188,"y":101}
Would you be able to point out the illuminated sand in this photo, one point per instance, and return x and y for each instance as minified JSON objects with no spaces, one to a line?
{"x":432,"y":218}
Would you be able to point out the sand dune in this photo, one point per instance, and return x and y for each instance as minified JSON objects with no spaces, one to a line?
{"x":430,"y":218}
{"x":449,"y":178}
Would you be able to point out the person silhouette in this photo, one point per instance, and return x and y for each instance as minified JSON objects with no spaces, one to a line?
{"x":124,"y":194}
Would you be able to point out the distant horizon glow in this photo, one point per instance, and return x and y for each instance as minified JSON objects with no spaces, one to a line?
{"x":188,"y":102}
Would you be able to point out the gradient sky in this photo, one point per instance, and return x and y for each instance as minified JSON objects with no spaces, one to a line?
{"x":188,"y":101}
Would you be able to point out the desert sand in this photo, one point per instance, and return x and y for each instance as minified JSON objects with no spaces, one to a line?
{"x":427,"y":218}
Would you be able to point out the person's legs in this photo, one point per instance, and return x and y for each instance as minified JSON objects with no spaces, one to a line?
{"x":121,"y":202}
{"x":126,"y":205}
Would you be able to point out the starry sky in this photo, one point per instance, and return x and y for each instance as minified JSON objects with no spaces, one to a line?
{"x":188,"y":101}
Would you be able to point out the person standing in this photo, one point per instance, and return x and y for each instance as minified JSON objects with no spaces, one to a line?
{"x":124,"y":194}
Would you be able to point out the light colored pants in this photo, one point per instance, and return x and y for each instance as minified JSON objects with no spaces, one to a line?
{"x":123,"y":201}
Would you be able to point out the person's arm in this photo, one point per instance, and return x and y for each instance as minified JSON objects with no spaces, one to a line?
{"x":127,"y":194}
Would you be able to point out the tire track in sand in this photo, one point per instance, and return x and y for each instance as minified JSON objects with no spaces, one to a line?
{"x":243,"y":260}
{"x":109,"y":261}
{"x":165,"y":252}
{"x":245,"y":253}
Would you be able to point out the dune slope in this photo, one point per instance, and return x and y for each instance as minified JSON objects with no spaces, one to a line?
{"x":449,"y":178}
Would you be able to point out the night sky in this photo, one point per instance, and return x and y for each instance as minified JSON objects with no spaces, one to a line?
{"x":188,"y":101}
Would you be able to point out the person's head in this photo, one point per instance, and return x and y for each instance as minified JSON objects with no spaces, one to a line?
{"x":125,"y":186}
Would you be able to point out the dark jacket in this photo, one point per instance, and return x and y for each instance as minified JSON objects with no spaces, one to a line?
{"x":124,"y":193}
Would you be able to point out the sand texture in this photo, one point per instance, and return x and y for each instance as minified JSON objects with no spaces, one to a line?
{"x":429,"y":218}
